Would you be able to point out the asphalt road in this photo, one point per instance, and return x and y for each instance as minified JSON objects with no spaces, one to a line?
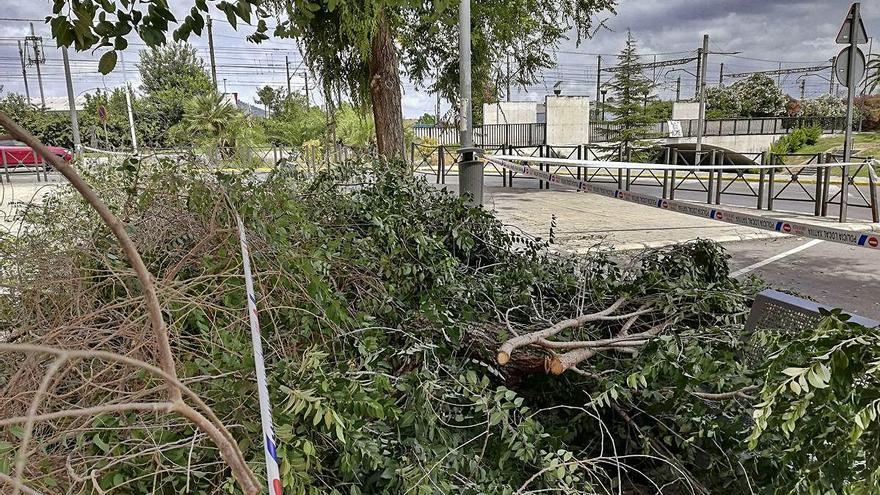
{"x":829,"y":273}
{"x":842,"y":276}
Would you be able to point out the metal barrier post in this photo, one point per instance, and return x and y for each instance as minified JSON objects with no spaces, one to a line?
{"x":719,"y":161}
{"x":674,"y":161}
{"x":5,"y":165}
{"x":825,"y":186}
{"x":844,"y":192}
{"x":412,"y":153}
{"x":580,"y":148}
{"x":872,"y":189}
{"x":628,"y":170}
{"x":709,"y":189}
{"x":820,"y":160}
{"x":441,"y":165}
{"x":36,"y":164}
{"x":761,"y":173}
{"x":666,"y":160}
{"x":620,"y":160}
{"x":771,"y":183}
{"x":541,"y":165}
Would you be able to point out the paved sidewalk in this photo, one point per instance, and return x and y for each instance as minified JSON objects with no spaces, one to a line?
{"x":584,"y":222}
{"x":587,"y":221}
{"x":22,"y":189}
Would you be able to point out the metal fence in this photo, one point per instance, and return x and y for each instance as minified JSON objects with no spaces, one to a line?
{"x":811,"y":186}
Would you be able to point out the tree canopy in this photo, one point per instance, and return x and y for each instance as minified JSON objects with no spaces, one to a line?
{"x":354,"y":45}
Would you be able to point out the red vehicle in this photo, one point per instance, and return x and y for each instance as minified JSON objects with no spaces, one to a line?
{"x":15,"y":153}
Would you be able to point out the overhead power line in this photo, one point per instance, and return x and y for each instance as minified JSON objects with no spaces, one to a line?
{"x":651,"y":65}
{"x":778,"y":72}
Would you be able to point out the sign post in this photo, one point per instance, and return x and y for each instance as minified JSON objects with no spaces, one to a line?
{"x":850,"y":59}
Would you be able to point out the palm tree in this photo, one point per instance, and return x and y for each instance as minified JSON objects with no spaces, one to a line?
{"x":212,"y":122}
{"x":873,"y":79}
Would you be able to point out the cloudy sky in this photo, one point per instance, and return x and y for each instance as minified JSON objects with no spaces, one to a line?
{"x":766,"y":33}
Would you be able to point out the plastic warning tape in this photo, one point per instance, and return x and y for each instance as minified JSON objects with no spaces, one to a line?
{"x":273,"y":473}
{"x":868,"y":239}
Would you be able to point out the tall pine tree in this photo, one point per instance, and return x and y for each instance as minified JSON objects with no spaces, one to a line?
{"x":629,"y":89}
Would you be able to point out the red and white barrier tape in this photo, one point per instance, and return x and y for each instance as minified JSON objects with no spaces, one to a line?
{"x":273,"y":474}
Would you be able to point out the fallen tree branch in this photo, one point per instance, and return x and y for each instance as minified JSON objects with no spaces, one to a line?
{"x":624,"y":343}
{"x":742,"y":393}
{"x":229,"y":450}
{"x":514,"y":343}
{"x":6,"y":479}
{"x":154,"y":309}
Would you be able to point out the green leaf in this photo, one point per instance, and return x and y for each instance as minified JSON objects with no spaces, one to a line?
{"x":793,"y":371}
{"x":107,"y":62}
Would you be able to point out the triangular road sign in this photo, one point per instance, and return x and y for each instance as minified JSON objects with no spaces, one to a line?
{"x":861,"y":33}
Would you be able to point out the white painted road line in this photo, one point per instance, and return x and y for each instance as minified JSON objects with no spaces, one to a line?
{"x":807,"y":245}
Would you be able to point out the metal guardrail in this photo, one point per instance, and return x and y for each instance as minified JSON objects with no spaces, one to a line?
{"x":19,"y":164}
{"x":772,"y":181}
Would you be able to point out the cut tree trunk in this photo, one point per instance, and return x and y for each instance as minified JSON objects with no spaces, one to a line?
{"x":385,"y":92}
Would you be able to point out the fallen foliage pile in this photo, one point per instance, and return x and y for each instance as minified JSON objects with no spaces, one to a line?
{"x":413,"y":345}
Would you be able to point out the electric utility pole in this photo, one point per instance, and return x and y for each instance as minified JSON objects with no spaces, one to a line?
{"x":701,"y":76}
{"x":27,"y":90}
{"x":598,"y":84}
{"x":471,"y":170}
{"x":287,"y":70}
{"x":700,"y":53}
{"x":71,"y":103}
{"x":211,"y":52}
{"x":678,"y":89}
{"x":721,"y":76}
{"x":38,"y":59}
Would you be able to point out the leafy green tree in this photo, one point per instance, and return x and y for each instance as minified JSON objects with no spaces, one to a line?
{"x":356,"y":45}
{"x":217,"y":126}
{"x":629,"y":89}
{"x":52,"y":128}
{"x":294,"y":121}
{"x":722,"y":102}
{"x":269,"y":97}
{"x":826,"y":105}
{"x":427,"y":119}
{"x":759,"y":96}
{"x":170,"y":76}
{"x":354,"y":127}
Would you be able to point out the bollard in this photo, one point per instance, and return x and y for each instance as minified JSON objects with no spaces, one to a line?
{"x":666,"y":159}
{"x":770,"y":182}
{"x":820,"y":172}
{"x":825,"y":186}
{"x":710,"y":189}
{"x":5,"y":165}
{"x":761,"y":175}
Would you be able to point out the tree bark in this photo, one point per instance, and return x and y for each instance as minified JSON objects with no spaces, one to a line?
{"x":385,"y":92}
